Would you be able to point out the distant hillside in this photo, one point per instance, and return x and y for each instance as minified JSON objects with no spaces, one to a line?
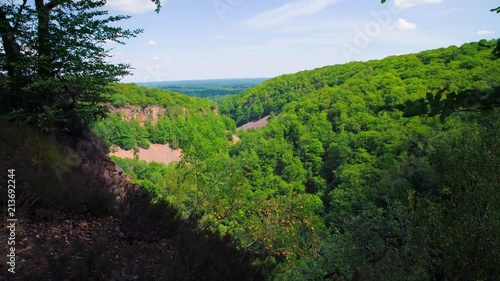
{"x":142,"y":116}
{"x":207,"y":88}
{"x":131,"y":94}
{"x":394,"y":79}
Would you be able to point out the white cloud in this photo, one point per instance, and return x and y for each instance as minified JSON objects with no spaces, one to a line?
{"x":405,"y":25}
{"x":152,"y":43}
{"x":155,"y":58}
{"x":132,"y":6}
{"x":219,"y":37}
{"x":290,"y":10}
{"x":403,"y":4}
{"x":485,"y":32}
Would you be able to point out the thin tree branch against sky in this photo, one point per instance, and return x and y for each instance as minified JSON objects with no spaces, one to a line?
{"x":195,"y":39}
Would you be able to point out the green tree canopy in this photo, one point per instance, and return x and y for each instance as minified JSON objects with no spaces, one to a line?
{"x":54,"y":61}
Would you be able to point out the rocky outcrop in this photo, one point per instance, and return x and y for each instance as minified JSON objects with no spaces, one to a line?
{"x":143,"y":114}
{"x":92,"y":167}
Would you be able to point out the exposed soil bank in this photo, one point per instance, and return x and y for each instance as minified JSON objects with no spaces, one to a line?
{"x":161,"y":153}
{"x":254,"y":125}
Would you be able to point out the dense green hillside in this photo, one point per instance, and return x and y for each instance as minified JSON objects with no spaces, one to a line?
{"x":192,"y":124}
{"x":389,"y":81}
{"x":333,"y":189}
{"x":130,"y":94}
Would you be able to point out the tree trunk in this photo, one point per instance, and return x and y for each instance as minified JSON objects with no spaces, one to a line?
{"x":10,"y":45}
{"x":11,"y":91}
{"x":44,"y":49}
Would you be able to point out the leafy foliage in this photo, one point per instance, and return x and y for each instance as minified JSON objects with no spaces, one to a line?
{"x":433,"y":82}
{"x":334,"y":189}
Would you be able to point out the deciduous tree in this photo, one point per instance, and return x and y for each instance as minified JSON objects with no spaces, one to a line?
{"x":54,"y":61}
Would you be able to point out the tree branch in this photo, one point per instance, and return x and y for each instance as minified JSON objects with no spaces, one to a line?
{"x":54,"y":3}
{"x":19,"y":12}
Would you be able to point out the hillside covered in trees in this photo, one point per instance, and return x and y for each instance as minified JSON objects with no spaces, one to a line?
{"x":192,"y":124}
{"x":333,"y":188}
{"x":392,"y":80}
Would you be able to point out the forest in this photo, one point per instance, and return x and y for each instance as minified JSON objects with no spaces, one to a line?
{"x":335,"y":188}
{"x":206,"y":88}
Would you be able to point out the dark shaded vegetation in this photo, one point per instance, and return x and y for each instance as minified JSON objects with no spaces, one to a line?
{"x":60,"y":180}
{"x":51,"y":177}
{"x":200,"y":254}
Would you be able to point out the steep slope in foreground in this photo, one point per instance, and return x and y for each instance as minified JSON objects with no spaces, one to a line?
{"x":80,"y":218}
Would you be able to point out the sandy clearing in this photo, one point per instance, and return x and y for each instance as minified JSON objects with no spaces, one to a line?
{"x":161,"y":153}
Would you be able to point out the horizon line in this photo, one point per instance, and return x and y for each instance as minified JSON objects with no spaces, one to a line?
{"x":193,"y":80}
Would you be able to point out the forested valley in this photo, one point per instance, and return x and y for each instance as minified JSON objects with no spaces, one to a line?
{"x":213,"y":89}
{"x":336,"y":186}
{"x":379,"y":170}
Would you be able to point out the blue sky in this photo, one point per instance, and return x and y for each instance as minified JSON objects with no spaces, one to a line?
{"x":210,"y":39}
